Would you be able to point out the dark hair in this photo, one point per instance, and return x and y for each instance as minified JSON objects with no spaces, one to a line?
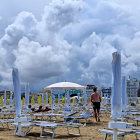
{"x":95,"y":89}
{"x":40,"y":107}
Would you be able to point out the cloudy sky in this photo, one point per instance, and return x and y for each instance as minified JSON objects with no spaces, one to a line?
{"x":67,"y":40}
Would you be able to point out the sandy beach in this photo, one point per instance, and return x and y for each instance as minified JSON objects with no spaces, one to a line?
{"x":88,"y":132}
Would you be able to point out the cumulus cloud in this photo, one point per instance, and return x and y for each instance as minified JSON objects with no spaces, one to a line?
{"x":73,"y":40}
{"x":38,"y":62}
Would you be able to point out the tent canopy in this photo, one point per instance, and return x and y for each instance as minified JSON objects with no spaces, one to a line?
{"x":65,"y":85}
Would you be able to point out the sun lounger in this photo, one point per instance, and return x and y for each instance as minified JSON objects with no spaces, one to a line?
{"x":137,"y":132}
{"x":27,"y":125}
{"x":120,"y":132}
{"x":49,"y":116}
{"x":84,"y":116}
{"x":7,"y":115}
{"x":50,"y":127}
{"x":7,"y":122}
{"x":46,"y":125}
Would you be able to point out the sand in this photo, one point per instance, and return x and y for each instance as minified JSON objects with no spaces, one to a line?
{"x":89,"y":132}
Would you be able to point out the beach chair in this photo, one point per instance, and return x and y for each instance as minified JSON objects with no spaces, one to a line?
{"x":25,"y":128}
{"x":6,"y":122}
{"x":84,"y":116}
{"x":120,"y":132}
{"x":48,"y":128}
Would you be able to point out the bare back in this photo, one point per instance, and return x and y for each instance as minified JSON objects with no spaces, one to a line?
{"x":95,"y":97}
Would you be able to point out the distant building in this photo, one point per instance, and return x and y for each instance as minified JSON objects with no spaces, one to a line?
{"x":7,"y":93}
{"x":89,"y":89}
{"x":132,"y":87}
{"x":106,"y":92}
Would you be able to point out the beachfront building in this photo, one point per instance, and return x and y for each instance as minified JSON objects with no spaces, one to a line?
{"x":89,"y":91}
{"x":106,"y":92}
{"x":132,"y":89}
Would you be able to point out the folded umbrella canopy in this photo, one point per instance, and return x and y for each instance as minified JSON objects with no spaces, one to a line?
{"x":116,"y":86}
{"x":17,"y":91}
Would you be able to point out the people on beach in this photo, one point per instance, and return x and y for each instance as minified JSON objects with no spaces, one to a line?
{"x":41,"y":109}
{"x":95,"y":100}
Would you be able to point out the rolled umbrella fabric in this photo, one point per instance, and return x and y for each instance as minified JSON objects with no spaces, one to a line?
{"x":59,"y":99}
{"x":43,"y":98}
{"x":124,"y":94}
{"x":79,"y":98}
{"x":27,"y":95}
{"x":4,"y":103}
{"x":17,"y":91}
{"x":116,"y":86}
{"x":11,"y":98}
{"x":84,"y":97}
{"x":53,"y":99}
{"x":68,"y":98}
{"x":46,"y":98}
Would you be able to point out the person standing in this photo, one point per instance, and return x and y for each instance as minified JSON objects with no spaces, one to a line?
{"x":95,"y":100}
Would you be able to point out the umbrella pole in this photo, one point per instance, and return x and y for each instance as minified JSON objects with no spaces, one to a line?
{"x":114,"y":134}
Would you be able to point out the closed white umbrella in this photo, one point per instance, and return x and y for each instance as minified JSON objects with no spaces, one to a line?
{"x":116,"y":86}
{"x":27,"y":95}
{"x":46,"y":98}
{"x":17,"y":91}
{"x":59,"y":98}
{"x":53,"y":99}
{"x":79,"y":98}
{"x":43,"y":98}
{"x":68,"y":98}
{"x":17,"y":95}
{"x":11,"y":98}
{"x":84,"y":97}
{"x":116,"y":89}
{"x":4,"y":98}
{"x":124,"y":94}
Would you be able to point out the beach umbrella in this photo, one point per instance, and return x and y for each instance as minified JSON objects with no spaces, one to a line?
{"x":78,"y":97}
{"x":84,"y":97}
{"x":65,"y":86}
{"x":124,"y":94}
{"x":108,"y":100}
{"x":17,"y":91}
{"x":101,"y":98}
{"x":116,"y":86}
{"x":46,"y":98}
{"x":105,"y":99}
{"x":52,"y":99}
{"x":67,"y":98}
{"x":27,"y":95}
{"x":11,"y":98}
{"x":43,"y":98}
{"x":116,"y":89}
{"x":4,"y":103}
{"x":59,"y":98}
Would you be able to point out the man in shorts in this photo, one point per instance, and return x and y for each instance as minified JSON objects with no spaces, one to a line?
{"x":95,"y":100}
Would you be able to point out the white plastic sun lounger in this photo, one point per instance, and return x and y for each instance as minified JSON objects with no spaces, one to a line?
{"x":7,"y":122}
{"x":49,"y":116}
{"x":120,"y":132}
{"x":27,"y":125}
{"x":51,"y":126}
{"x":84,"y":116}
